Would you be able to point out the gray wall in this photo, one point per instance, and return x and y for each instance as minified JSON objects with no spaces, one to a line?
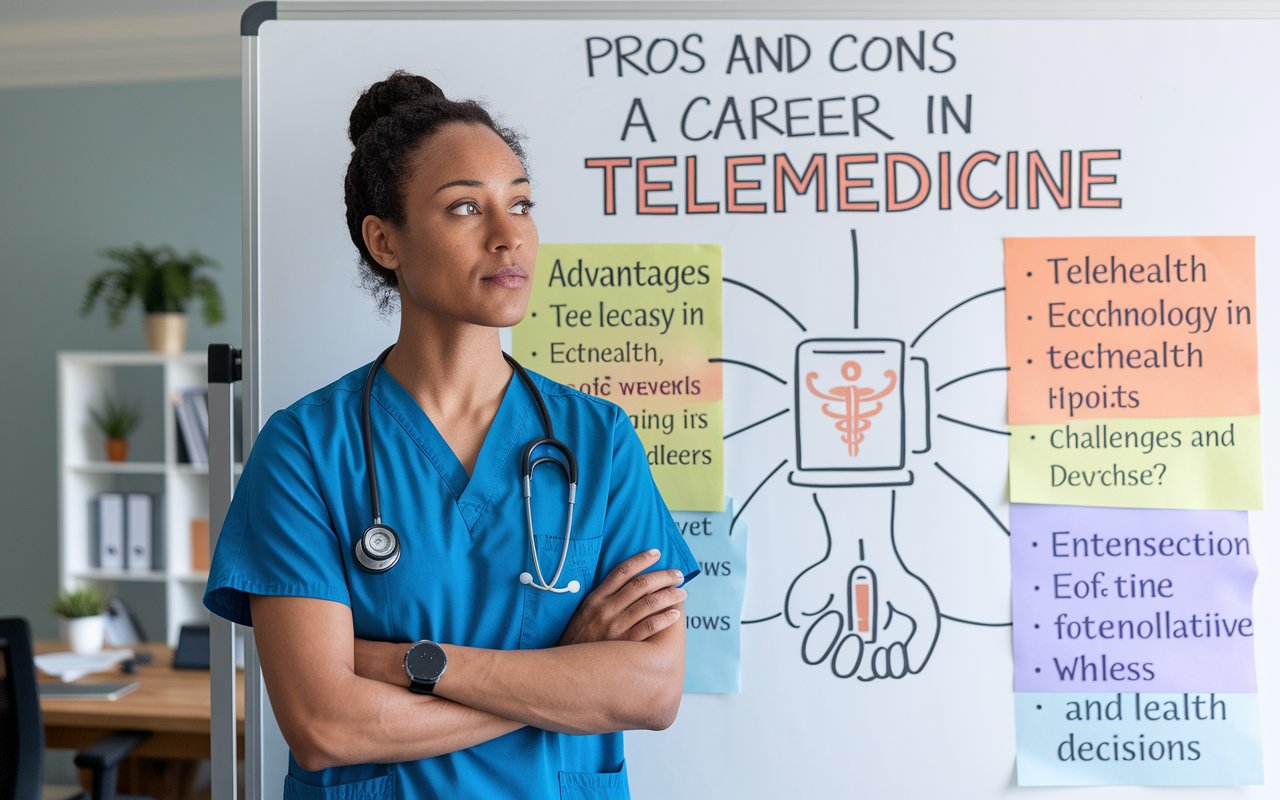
{"x":83,"y":168}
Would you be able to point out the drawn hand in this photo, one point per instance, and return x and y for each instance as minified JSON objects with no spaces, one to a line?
{"x":627,"y":605}
{"x":860,"y":606}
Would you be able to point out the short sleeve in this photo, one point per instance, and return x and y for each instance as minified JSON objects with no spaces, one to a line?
{"x":637,"y":518}
{"x":278,"y":538}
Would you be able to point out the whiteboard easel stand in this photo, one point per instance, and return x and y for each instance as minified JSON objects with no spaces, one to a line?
{"x":224,"y":371}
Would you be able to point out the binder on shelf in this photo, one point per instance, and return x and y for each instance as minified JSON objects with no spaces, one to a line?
{"x":111,"y":535}
{"x":192,"y":408}
{"x":139,"y":527}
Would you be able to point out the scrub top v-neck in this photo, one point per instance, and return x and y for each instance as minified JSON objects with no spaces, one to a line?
{"x":302,"y":500}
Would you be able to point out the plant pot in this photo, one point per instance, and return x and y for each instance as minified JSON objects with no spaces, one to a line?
{"x":117,"y":449}
{"x":84,"y":634}
{"x":166,"y":333}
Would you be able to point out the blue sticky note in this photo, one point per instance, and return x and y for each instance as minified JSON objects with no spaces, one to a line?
{"x":713,"y":611}
{"x":1138,"y":739}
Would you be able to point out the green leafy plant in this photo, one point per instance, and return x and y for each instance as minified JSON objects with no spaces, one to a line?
{"x":116,"y":419}
{"x":85,"y":601}
{"x":162,"y":280}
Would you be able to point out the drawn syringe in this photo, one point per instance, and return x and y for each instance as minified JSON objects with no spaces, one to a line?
{"x":863,"y":605}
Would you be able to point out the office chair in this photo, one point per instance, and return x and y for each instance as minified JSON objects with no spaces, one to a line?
{"x":22,"y":728}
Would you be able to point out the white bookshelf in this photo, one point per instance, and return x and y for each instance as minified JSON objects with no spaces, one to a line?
{"x":83,"y":473}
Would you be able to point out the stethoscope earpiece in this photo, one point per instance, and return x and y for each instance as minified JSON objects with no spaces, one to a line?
{"x":572,"y":588}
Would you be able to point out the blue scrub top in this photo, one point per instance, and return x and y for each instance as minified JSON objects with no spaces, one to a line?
{"x":303,"y":500}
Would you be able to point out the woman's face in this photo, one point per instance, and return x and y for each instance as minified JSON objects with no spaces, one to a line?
{"x":468,"y":244}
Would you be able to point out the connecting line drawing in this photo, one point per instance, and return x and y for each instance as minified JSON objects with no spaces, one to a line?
{"x":762,"y":370}
{"x":949,"y":310}
{"x":971,"y":375}
{"x":974,"y":495}
{"x":971,"y":425}
{"x":856,"y":281}
{"x":979,"y":624}
{"x":754,"y":492}
{"x":757,"y":422}
{"x":756,"y":291}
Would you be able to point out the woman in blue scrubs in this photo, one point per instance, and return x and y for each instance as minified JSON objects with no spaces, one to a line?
{"x":538,"y":684}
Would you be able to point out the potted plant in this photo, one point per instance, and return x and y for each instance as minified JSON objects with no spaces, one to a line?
{"x":80,"y":618}
{"x":116,"y":420}
{"x":165,"y":283}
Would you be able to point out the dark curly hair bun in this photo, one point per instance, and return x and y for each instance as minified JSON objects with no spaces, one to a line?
{"x":391,"y":121}
{"x":380,"y":100}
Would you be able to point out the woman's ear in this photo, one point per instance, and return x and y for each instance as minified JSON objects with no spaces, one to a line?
{"x":378,"y":238}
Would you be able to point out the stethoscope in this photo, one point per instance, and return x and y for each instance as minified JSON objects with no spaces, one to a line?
{"x":378,"y":548}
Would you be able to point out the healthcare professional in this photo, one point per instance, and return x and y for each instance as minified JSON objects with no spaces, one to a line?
{"x":438,"y":610}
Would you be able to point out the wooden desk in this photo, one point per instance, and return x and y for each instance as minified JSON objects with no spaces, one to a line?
{"x":171,"y":703}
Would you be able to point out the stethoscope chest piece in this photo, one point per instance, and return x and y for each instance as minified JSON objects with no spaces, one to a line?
{"x":378,"y":549}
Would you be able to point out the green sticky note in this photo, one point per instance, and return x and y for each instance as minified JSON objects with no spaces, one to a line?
{"x":1187,"y":462}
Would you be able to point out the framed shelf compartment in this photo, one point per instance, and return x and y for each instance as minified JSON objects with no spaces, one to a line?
{"x":151,"y":379}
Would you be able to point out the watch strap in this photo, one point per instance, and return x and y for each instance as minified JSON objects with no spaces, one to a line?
{"x":422,"y":687}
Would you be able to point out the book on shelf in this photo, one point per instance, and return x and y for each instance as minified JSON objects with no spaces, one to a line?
{"x":200,"y":544}
{"x":192,"y":409}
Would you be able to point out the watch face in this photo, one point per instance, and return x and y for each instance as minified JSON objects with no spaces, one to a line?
{"x":425,"y":662}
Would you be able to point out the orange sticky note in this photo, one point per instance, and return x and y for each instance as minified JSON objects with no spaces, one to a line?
{"x":1107,"y":328}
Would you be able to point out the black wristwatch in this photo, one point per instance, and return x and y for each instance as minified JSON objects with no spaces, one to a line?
{"x":425,"y":662}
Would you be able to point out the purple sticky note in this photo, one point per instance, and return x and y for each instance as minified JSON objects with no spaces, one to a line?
{"x":1132,"y":600}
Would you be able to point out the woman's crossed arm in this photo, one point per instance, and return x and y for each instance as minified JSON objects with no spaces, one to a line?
{"x":341,"y":700}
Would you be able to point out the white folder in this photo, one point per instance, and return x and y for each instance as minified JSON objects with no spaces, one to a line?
{"x":138,"y":538}
{"x":111,"y":538}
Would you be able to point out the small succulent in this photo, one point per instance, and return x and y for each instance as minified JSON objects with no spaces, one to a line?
{"x":116,"y":419}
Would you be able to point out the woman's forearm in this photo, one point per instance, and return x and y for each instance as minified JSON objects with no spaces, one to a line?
{"x":598,"y":687}
{"x":330,"y":715}
{"x":367,"y":721}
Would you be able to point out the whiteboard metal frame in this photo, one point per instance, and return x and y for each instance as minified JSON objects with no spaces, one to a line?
{"x":262,"y":734}
{"x":773,"y":9}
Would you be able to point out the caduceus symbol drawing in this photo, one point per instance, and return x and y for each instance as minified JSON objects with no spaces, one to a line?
{"x":854,"y":419}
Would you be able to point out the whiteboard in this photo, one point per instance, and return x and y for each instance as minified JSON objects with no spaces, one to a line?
{"x":1190,"y":106}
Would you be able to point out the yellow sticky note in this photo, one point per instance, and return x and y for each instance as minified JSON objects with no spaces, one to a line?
{"x":1175,"y":462}
{"x":639,"y":325}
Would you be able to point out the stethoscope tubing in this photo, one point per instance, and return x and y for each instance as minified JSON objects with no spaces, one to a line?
{"x":527,"y":465}
{"x":533,"y":545}
{"x":366,"y":431}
